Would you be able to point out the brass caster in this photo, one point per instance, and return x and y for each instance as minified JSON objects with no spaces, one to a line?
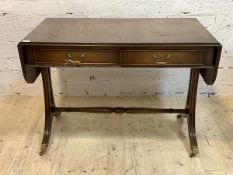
{"x":43,"y":149}
{"x":194,"y":151}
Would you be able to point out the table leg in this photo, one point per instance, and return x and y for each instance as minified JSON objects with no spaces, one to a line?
{"x":50,"y":108}
{"x":191,"y":104}
{"x":48,"y":101}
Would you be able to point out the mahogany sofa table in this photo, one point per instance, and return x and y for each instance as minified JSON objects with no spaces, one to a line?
{"x":146,"y":43}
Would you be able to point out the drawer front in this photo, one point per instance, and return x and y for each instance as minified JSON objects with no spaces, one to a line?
{"x":76,"y":57}
{"x":166,"y":58}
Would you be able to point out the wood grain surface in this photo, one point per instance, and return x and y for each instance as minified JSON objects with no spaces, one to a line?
{"x":109,"y":30}
{"x":115,"y":144}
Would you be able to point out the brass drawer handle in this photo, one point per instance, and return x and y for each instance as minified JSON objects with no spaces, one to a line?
{"x":161,"y":62}
{"x":69,"y":60}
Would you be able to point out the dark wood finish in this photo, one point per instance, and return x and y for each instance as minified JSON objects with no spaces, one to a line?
{"x":82,"y":57}
{"x":121,"y":34}
{"x":49,"y":107}
{"x":48,"y":101}
{"x":167,"y":58}
{"x":190,"y":107}
{"x":30,"y":73}
{"x":116,"y":56}
{"x":122,"y":43}
{"x":119,"y":110}
{"x":209,"y":75}
{"x":121,"y":31}
{"x":191,"y":104}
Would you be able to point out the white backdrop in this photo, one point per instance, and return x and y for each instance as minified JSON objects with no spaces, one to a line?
{"x":18,"y":17}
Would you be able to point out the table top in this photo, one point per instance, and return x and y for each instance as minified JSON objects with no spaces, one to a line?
{"x":120,"y":31}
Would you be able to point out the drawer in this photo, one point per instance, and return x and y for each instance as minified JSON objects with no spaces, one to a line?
{"x":167,"y":58}
{"x":75,"y":57}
